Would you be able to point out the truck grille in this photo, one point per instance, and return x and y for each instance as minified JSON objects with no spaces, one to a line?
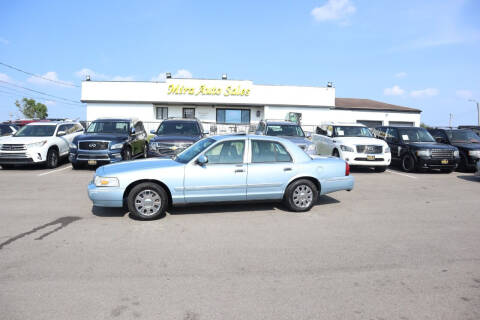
{"x":442,"y":154}
{"x":171,"y":149}
{"x":99,"y":157}
{"x":13,"y":147}
{"x":370,"y":149}
{"x":93,"y":145}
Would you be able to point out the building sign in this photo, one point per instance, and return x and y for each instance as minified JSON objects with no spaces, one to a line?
{"x":203,"y":90}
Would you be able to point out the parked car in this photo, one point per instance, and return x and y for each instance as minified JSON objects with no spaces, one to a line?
{"x":109,"y":140}
{"x":467,"y":142}
{"x":477,"y":170}
{"x":476,"y":129}
{"x":175,"y":135}
{"x":353,"y":143}
{"x":7,"y":130}
{"x":39,"y":142}
{"x":220,"y":169}
{"x":414,"y":148}
{"x":288,"y":130}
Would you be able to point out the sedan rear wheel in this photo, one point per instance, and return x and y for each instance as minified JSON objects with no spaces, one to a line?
{"x":301,"y":195}
{"x":147,"y":201}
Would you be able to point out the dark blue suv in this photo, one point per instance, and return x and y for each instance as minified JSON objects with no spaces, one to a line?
{"x":109,"y":140}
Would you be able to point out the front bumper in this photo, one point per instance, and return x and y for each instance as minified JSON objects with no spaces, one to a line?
{"x":29,"y":156}
{"x":100,"y":156}
{"x":105,"y":196}
{"x":367,"y":160}
{"x":429,"y":163}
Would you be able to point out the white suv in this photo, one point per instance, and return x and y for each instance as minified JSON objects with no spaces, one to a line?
{"x":354,"y":143}
{"x":39,"y":142}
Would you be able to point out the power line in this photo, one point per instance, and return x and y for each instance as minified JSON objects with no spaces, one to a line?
{"x":18,"y":94}
{"x":41,"y":77}
{"x":40,"y":92}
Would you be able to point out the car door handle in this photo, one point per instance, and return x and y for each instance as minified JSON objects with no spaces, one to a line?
{"x":239,"y":170}
{"x":287,"y":169}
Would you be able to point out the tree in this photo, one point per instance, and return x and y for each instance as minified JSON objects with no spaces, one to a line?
{"x":426,"y":126}
{"x":32,"y":109}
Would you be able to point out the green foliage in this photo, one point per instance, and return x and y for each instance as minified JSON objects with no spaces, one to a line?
{"x":32,"y":109}
{"x":426,"y":126}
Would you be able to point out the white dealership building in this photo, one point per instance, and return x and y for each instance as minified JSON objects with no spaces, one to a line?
{"x":233,"y":104}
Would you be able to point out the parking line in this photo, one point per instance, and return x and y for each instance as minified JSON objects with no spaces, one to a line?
{"x":45,"y":173}
{"x":402,"y":174}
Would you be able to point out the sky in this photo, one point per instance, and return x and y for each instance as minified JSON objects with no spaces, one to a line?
{"x":420,"y":54}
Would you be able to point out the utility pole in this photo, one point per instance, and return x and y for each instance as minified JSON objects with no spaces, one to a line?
{"x":478,"y":109}
{"x":450,"y":120}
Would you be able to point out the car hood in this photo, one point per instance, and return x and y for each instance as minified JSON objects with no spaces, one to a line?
{"x":23,"y":140}
{"x":180,"y":139}
{"x":359,"y":141}
{"x":115,"y":169}
{"x":431,"y":145}
{"x":297,"y":140}
{"x":468,"y":146}
{"x":101,"y":136}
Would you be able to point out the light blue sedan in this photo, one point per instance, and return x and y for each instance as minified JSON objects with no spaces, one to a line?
{"x":221,"y":169}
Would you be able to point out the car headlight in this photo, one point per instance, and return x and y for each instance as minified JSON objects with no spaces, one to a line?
{"x":117,"y":146}
{"x":106,"y":182}
{"x":471,"y":153}
{"x":346,"y":148}
{"x":456,"y":154}
{"x":312,"y":147}
{"x":424,"y":153}
{"x":72,"y":145}
{"x":36,"y":144}
{"x":387,"y":150}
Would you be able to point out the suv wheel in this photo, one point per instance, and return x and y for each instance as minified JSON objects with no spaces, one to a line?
{"x":127,"y":154}
{"x":408,"y":163}
{"x":52,"y":158}
{"x":301,"y":195}
{"x":147,"y":201}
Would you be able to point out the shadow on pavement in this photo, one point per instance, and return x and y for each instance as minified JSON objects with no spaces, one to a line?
{"x":109,"y":212}
{"x":32,"y":167}
{"x":469,"y":178}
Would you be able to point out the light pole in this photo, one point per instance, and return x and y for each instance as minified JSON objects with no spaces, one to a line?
{"x":478,"y":108}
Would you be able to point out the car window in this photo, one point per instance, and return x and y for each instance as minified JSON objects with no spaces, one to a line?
{"x":285,"y":130}
{"x":269,"y":151}
{"x":379,"y":133}
{"x":36,"y":131}
{"x":115,"y":127}
{"x":392,"y":135}
{"x":63,"y":127}
{"x":4,"y":130}
{"x":227,"y":152}
{"x":415,"y":135}
{"x":178,"y":128}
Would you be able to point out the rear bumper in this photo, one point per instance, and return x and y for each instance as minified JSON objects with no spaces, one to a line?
{"x":337,"y":184}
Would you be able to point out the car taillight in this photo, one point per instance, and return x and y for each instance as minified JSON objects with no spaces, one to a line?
{"x":347,"y":169}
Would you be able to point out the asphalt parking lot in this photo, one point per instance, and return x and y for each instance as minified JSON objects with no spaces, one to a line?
{"x":399,"y":246}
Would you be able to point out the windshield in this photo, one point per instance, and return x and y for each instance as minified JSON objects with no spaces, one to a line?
{"x":285,"y":130}
{"x":5,"y":130}
{"x":463,"y":136}
{"x":192,"y":151}
{"x":178,"y":129}
{"x":415,"y":135}
{"x":36,"y":131}
{"x":115,"y":127}
{"x":352,"y":131}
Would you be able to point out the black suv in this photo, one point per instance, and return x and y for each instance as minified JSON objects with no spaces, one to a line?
{"x":467,"y":142}
{"x":109,"y":140}
{"x":175,"y":135}
{"x":414,"y":148}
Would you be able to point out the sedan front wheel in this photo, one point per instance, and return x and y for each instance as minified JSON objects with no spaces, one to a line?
{"x":147,"y":201}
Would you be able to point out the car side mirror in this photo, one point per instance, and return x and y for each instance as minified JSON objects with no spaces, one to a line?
{"x":202,"y":159}
{"x":132,"y":131}
{"x":153,"y":132}
{"x":61,"y":133}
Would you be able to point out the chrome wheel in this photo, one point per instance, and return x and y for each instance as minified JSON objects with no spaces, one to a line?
{"x":302,"y":196}
{"x":148,"y":202}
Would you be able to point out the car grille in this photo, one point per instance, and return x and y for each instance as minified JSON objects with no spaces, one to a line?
{"x":370,"y":149}
{"x":13,"y":155}
{"x":93,"y":157}
{"x":13,"y":147}
{"x":93,"y":145}
{"x":442,"y":154}
{"x":171,"y":149}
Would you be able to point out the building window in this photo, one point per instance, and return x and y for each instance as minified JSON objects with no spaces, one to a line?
{"x":189,"y":113}
{"x":161,"y":113}
{"x":233,"y":116}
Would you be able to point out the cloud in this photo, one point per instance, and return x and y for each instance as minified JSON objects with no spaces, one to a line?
{"x":95,"y":76}
{"x":4,"y":41}
{"x":464,"y":94}
{"x":50,"y":103}
{"x":393,"y":91}
{"x":52,"y":75}
{"x":401,"y":75}
{"x":180,"y":74}
{"x":334,"y":10}
{"x":428,"y":92}
{"x":5,"y":77}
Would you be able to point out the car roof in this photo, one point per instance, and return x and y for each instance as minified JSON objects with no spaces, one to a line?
{"x":281,"y":122}
{"x":51,"y":123}
{"x":116,"y":119}
{"x":181,"y":119}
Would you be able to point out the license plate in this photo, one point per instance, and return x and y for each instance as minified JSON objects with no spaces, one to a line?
{"x":370,"y":158}
{"x":444,"y":161}
{"x":92,"y":162}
